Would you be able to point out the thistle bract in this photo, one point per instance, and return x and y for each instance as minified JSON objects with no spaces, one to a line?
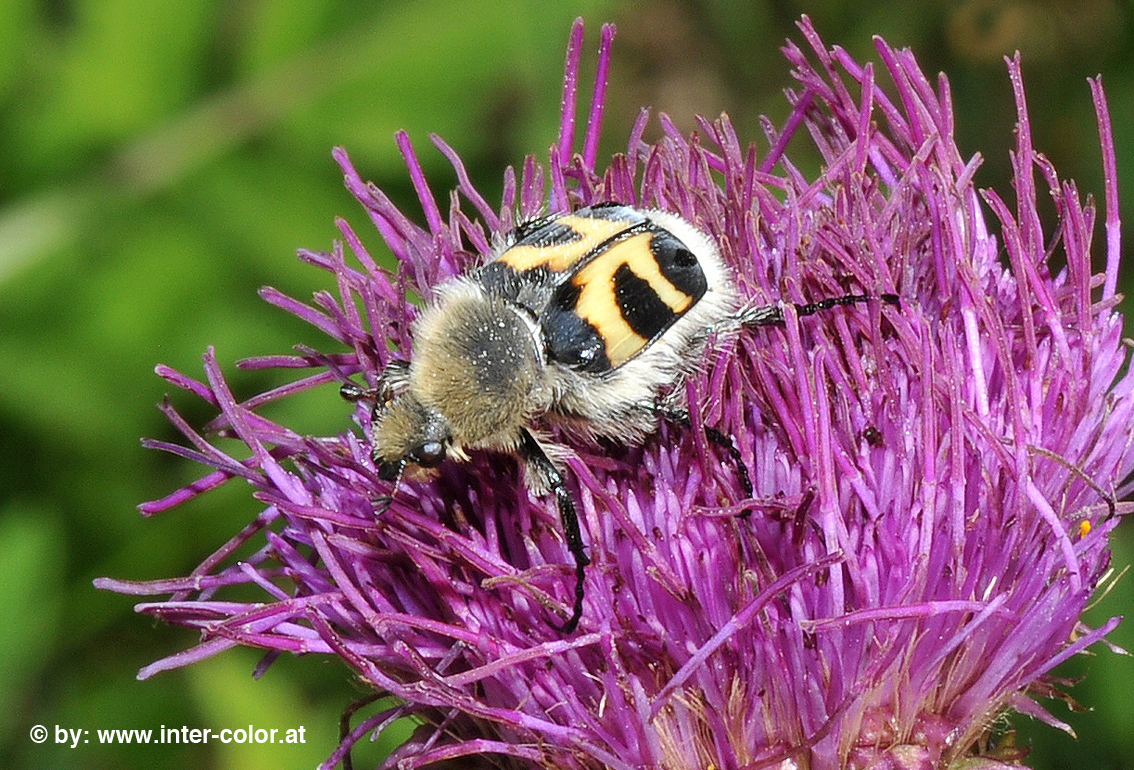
{"x":934,"y":484}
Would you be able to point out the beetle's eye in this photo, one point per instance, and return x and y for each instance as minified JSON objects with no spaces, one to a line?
{"x":429,"y":455}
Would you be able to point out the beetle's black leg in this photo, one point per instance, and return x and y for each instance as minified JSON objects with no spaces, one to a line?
{"x":552,"y":479}
{"x":393,"y":377}
{"x":681,"y":417}
{"x":773,"y":315}
{"x":353,"y":392}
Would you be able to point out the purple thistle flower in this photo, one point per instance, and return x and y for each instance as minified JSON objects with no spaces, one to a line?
{"x":933,"y":485}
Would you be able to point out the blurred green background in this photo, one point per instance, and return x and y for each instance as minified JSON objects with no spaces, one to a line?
{"x":163,"y":160}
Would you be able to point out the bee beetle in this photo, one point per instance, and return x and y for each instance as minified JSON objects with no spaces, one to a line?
{"x":580,"y":322}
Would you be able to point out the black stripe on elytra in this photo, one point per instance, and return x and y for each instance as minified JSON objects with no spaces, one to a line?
{"x":544,"y":233}
{"x":568,"y":337}
{"x":551,"y":232}
{"x":640,"y":305}
{"x":537,"y":239}
{"x":679,"y":265}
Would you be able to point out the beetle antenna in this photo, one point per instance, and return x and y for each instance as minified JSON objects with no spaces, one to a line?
{"x":773,"y":315}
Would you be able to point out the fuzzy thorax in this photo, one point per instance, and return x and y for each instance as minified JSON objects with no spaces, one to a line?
{"x":475,"y":381}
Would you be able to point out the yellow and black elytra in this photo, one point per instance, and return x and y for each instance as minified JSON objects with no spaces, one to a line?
{"x":609,"y":280}
{"x":586,"y":322}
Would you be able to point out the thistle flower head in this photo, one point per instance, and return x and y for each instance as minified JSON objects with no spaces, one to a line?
{"x":933,"y":484}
